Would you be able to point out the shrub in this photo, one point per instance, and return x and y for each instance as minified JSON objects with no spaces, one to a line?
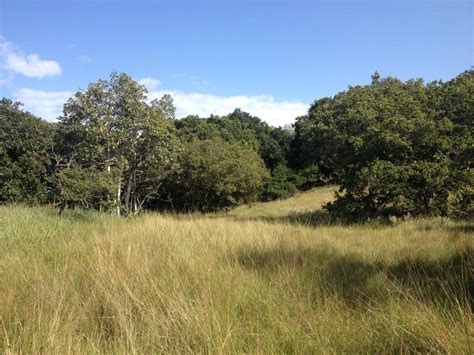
{"x":217,"y":175}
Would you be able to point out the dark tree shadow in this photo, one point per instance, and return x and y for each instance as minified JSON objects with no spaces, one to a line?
{"x":79,"y":215}
{"x":465,"y":227}
{"x":449,"y":281}
{"x":446,"y":281}
{"x":315,"y":219}
{"x":325,"y":270}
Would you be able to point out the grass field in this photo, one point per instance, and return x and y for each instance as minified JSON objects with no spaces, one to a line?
{"x":255,"y":280}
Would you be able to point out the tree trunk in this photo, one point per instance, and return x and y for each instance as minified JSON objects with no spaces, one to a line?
{"x":119,"y":192}
{"x":134,"y":194}
{"x":128,"y":192}
{"x":62,"y":207}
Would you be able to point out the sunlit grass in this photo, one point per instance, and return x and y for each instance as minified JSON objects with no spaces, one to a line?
{"x":89,"y":282}
{"x":301,"y":202}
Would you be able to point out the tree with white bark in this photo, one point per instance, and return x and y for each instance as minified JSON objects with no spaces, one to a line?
{"x":109,"y":127}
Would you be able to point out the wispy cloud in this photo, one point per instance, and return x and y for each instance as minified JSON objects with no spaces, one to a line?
{"x":31,"y":65}
{"x":5,"y":78}
{"x":149,"y":83}
{"x":85,"y":59}
{"x":197,"y":82}
{"x":275,"y":113}
{"x":45,"y":104}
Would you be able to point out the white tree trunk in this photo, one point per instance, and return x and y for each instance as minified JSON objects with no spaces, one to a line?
{"x":119,"y":192}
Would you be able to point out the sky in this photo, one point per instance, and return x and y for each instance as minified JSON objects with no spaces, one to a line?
{"x":269,"y":58}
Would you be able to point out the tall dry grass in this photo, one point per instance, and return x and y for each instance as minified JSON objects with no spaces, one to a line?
{"x":90,"y":283}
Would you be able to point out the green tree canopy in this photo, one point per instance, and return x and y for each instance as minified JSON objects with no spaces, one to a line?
{"x":394,"y":147}
{"x":216,"y":174}
{"x":110,"y":127}
{"x":25,"y":141}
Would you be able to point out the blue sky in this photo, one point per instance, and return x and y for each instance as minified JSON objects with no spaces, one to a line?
{"x":271,"y":58}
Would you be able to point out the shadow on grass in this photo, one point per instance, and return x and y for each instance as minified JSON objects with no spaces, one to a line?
{"x":448,"y":279}
{"x":323,"y":270}
{"x":449,"y":282}
{"x":80,"y":215}
{"x":465,"y":227}
{"x":315,"y":219}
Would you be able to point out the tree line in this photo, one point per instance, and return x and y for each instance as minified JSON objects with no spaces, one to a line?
{"x":393,"y":148}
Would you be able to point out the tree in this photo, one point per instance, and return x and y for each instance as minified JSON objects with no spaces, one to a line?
{"x":110,"y":127}
{"x":217,"y":175}
{"x":395,"y":148}
{"x":280,"y":185}
{"x":25,"y":141}
{"x":166,"y":106}
{"x":455,"y":105}
{"x":194,"y":127}
{"x":272,"y":144}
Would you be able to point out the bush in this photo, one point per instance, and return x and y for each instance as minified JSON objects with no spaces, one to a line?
{"x":217,"y":175}
{"x":280,"y":185}
{"x":86,"y":188}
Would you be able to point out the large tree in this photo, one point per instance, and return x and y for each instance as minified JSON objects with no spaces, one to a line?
{"x":395,"y":148}
{"x":110,"y":127}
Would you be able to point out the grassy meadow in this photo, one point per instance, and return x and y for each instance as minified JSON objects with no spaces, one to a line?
{"x":256,"y":280}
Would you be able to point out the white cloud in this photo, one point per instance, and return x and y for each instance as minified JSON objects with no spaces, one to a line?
{"x":275,"y":113}
{"x":29,"y":65}
{"x":85,"y":59}
{"x":149,"y":83}
{"x":48,"y":105}
{"x":45,"y":104}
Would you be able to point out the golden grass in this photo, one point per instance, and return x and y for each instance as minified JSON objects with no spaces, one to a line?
{"x":300,"y":203}
{"x":91,"y":283}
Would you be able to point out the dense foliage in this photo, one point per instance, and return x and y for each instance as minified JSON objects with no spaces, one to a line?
{"x":25,"y":141}
{"x":111,"y":150}
{"x":395,"y":149}
{"x":109,"y":133}
{"x":272,"y":144}
{"x":215,"y":174}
